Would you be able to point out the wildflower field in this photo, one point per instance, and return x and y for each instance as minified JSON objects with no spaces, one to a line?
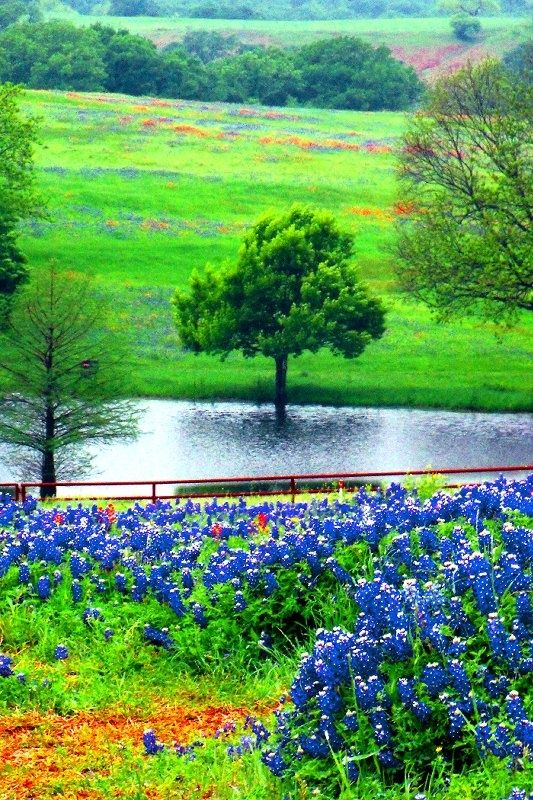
{"x":374,"y":645}
{"x":140,"y":191}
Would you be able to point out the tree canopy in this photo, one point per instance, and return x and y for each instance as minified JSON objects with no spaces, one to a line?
{"x":346,"y":72}
{"x":293,"y":289}
{"x":16,"y":10}
{"x":466,"y":173}
{"x":335,"y":73}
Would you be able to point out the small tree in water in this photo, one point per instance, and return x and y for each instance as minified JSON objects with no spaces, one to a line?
{"x":293,"y":289}
{"x":60,"y":379}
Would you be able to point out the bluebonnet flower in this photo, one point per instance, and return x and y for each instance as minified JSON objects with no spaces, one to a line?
{"x":199,"y":615}
{"x":77,"y":590}
{"x":151,"y":745}
{"x":24,"y":573}
{"x":5,"y":666}
{"x":352,"y":770}
{"x":61,"y":652}
{"x":519,"y":794}
{"x":435,"y":679}
{"x":91,"y":615}
{"x":274,"y":761}
{"x":44,"y":587}
{"x":158,"y":636}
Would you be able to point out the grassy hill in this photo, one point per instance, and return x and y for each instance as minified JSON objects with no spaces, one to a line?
{"x":426,"y":43}
{"x":141,"y":191}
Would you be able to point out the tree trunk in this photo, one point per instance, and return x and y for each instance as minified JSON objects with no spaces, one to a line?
{"x":48,"y":467}
{"x":280,"y":400}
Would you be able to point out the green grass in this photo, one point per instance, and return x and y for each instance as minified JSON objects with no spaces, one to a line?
{"x":139,"y":204}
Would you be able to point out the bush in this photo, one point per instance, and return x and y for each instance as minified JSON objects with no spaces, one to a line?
{"x":467,"y":29}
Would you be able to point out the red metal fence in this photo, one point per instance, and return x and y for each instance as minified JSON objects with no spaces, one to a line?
{"x":256,"y":484}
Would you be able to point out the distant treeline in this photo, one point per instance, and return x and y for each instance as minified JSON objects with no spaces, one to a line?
{"x":342,"y":72}
{"x":277,"y":9}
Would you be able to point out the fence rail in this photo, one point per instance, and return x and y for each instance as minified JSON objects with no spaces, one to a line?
{"x":271,"y":484}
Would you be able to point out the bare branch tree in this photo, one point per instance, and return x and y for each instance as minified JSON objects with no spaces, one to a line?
{"x":466,"y":177}
{"x":61,"y":378}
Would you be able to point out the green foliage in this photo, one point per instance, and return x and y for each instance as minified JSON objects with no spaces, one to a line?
{"x":132,"y":64}
{"x":467,"y":174}
{"x":467,"y":29}
{"x":344,"y":73}
{"x":53,"y":55}
{"x":520,"y":61}
{"x":17,"y":195}
{"x":348,"y":73}
{"x":130,"y":8}
{"x":209,"y":45}
{"x":293,"y":289}
{"x":266,"y":76}
{"x":15,"y":10}
{"x":471,"y":8}
{"x":83,"y":6}
{"x":13,"y":270}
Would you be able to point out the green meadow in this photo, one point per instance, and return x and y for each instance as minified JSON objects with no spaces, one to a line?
{"x":142,"y":191}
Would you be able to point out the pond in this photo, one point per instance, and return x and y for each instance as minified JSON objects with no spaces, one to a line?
{"x":182,"y":439}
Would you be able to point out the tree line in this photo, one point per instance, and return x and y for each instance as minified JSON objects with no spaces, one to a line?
{"x":344,"y":73}
{"x":279,"y":9}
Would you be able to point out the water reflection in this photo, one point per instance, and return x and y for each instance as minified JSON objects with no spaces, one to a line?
{"x":200,"y":440}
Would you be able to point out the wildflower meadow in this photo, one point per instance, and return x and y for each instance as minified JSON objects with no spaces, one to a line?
{"x":369,"y":645}
{"x":141,"y":191}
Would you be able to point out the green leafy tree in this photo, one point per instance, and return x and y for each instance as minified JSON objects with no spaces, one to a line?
{"x":133,"y":65}
{"x":209,"y":45}
{"x":520,"y":61}
{"x":18,"y":198}
{"x":18,"y":52}
{"x":53,"y":55}
{"x":346,"y":72}
{"x":16,"y":10}
{"x":293,"y":289}
{"x":13,"y":269}
{"x":61,"y":378}
{"x":266,"y":76}
{"x":183,"y":76}
{"x":466,"y":171}
{"x":467,"y":29}
{"x":465,"y":23}
{"x":69,"y":58}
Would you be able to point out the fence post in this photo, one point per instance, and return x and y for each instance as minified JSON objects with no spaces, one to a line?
{"x":293,"y":489}
{"x":22,"y":493}
{"x":154,"y":495}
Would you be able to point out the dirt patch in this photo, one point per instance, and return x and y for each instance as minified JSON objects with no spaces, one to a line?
{"x":40,"y":751}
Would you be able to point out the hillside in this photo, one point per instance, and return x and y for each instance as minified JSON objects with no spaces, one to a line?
{"x":425,"y":43}
{"x":141,"y":191}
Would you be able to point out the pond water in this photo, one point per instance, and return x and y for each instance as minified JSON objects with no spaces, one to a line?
{"x":183,"y":439}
